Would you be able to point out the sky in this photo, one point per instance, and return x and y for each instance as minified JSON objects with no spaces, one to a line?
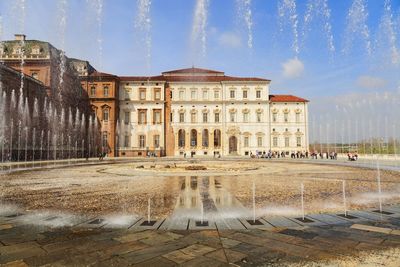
{"x":332,"y":52}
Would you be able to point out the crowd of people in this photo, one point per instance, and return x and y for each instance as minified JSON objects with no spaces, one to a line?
{"x":302,"y":155}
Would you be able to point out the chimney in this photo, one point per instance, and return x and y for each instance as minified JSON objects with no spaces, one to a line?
{"x":20,"y":37}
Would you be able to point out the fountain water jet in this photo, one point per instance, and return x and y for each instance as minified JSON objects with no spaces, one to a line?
{"x":287,"y":12}
{"x":244,"y":10}
{"x":357,"y":25}
{"x":344,"y":197}
{"x":302,"y":201}
{"x":200,"y":24}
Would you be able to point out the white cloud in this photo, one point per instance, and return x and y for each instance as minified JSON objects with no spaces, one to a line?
{"x":293,"y":68}
{"x":370,"y":82}
{"x":230,"y":39}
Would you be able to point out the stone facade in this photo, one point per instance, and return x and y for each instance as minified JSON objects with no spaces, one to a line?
{"x":208,"y":113}
{"x":142,"y":117}
{"x":103,"y":90}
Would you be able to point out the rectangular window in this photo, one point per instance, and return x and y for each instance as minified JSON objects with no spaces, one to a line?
{"x":274,"y":117}
{"x":286,"y":141}
{"x":246,"y":117}
{"x":216,"y":117}
{"x":205,"y":95}
{"x":258,"y":94}
{"x":298,"y":141}
{"x":106,"y":114}
{"x":156,"y":116}
{"x":142,"y":116}
{"x":105,"y":139}
{"x":156,"y":141}
{"x":275,"y":141}
{"x":127,"y":95}
{"x":171,"y":117}
{"x":127,"y":117}
{"x":142,"y":93}
{"x":246,"y":141}
{"x":93,"y":91}
{"x":232,"y":117}
{"x":297,"y":117}
{"x":232,"y":93}
{"x":193,"y":94}
{"x":286,"y":117}
{"x":105,"y":91}
{"x":259,"y":141}
{"x":244,"y":94}
{"x":142,"y":141}
{"x":193,"y":117}
{"x":182,"y":117}
{"x":259,"y":116}
{"x":205,"y":117}
{"x":181,"y":95}
{"x":216,"y":94}
{"x":126,"y":141}
{"x":157,"y":93}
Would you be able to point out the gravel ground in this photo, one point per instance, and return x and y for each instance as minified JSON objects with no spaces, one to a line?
{"x":128,"y":187}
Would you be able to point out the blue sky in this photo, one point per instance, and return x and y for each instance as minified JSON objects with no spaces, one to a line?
{"x":316,"y":73}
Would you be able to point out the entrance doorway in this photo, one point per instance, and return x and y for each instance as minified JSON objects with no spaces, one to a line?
{"x":232,"y":145}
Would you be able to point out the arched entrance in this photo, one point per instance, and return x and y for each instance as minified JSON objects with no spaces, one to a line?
{"x":232,"y":145}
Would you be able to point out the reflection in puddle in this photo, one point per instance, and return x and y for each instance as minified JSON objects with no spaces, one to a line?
{"x":204,"y":198}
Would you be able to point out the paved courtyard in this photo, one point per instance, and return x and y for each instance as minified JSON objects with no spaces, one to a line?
{"x":60,"y":217}
{"x":327,"y":241}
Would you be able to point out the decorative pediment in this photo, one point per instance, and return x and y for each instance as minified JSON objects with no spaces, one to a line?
{"x":274,"y":133}
{"x":105,"y":106}
{"x":246,"y":110}
{"x":286,"y":110}
{"x":274,"y":110}
{"x":181,"y":110}
{"x":246,"y":133}
{"x":259,"y":110}
{"x":205,"y":110}
{"x":297,"y":110}
{"x":193,"y":111}
{"x":232,"y":110}
{"x":286,"y":133}
{"x":260,"y":134}
{"x":217,"y":110}
{"x":233,"y":130}
{"x":299,"y":134}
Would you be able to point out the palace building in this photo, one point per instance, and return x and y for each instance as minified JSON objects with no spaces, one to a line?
{"x":204,"y":112}
{"x":189,"y":111}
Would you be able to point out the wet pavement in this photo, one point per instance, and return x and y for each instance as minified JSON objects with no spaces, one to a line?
{"x":279,"y":241}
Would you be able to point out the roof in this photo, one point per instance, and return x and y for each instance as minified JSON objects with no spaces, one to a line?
{"x":189,"y":78}
{"x":193,"y":70}
{"x":286,"y":98}
{"x":102,"y":74}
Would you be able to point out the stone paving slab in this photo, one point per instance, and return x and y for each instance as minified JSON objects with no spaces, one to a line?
{"x":229,"y":223}
{"x":328,"y":219}
{"x":175,"y":224}
{"x":372,"y":216}
{"x":281,"y":222}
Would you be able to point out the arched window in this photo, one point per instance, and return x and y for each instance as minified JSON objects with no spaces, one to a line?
{"x":181,"y":138}
{"x":205,"y":138}
{"x":193,"y":138}
{"x":217,"y":138}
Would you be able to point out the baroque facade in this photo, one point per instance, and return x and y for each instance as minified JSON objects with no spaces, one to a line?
{"x":204,"y":112}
